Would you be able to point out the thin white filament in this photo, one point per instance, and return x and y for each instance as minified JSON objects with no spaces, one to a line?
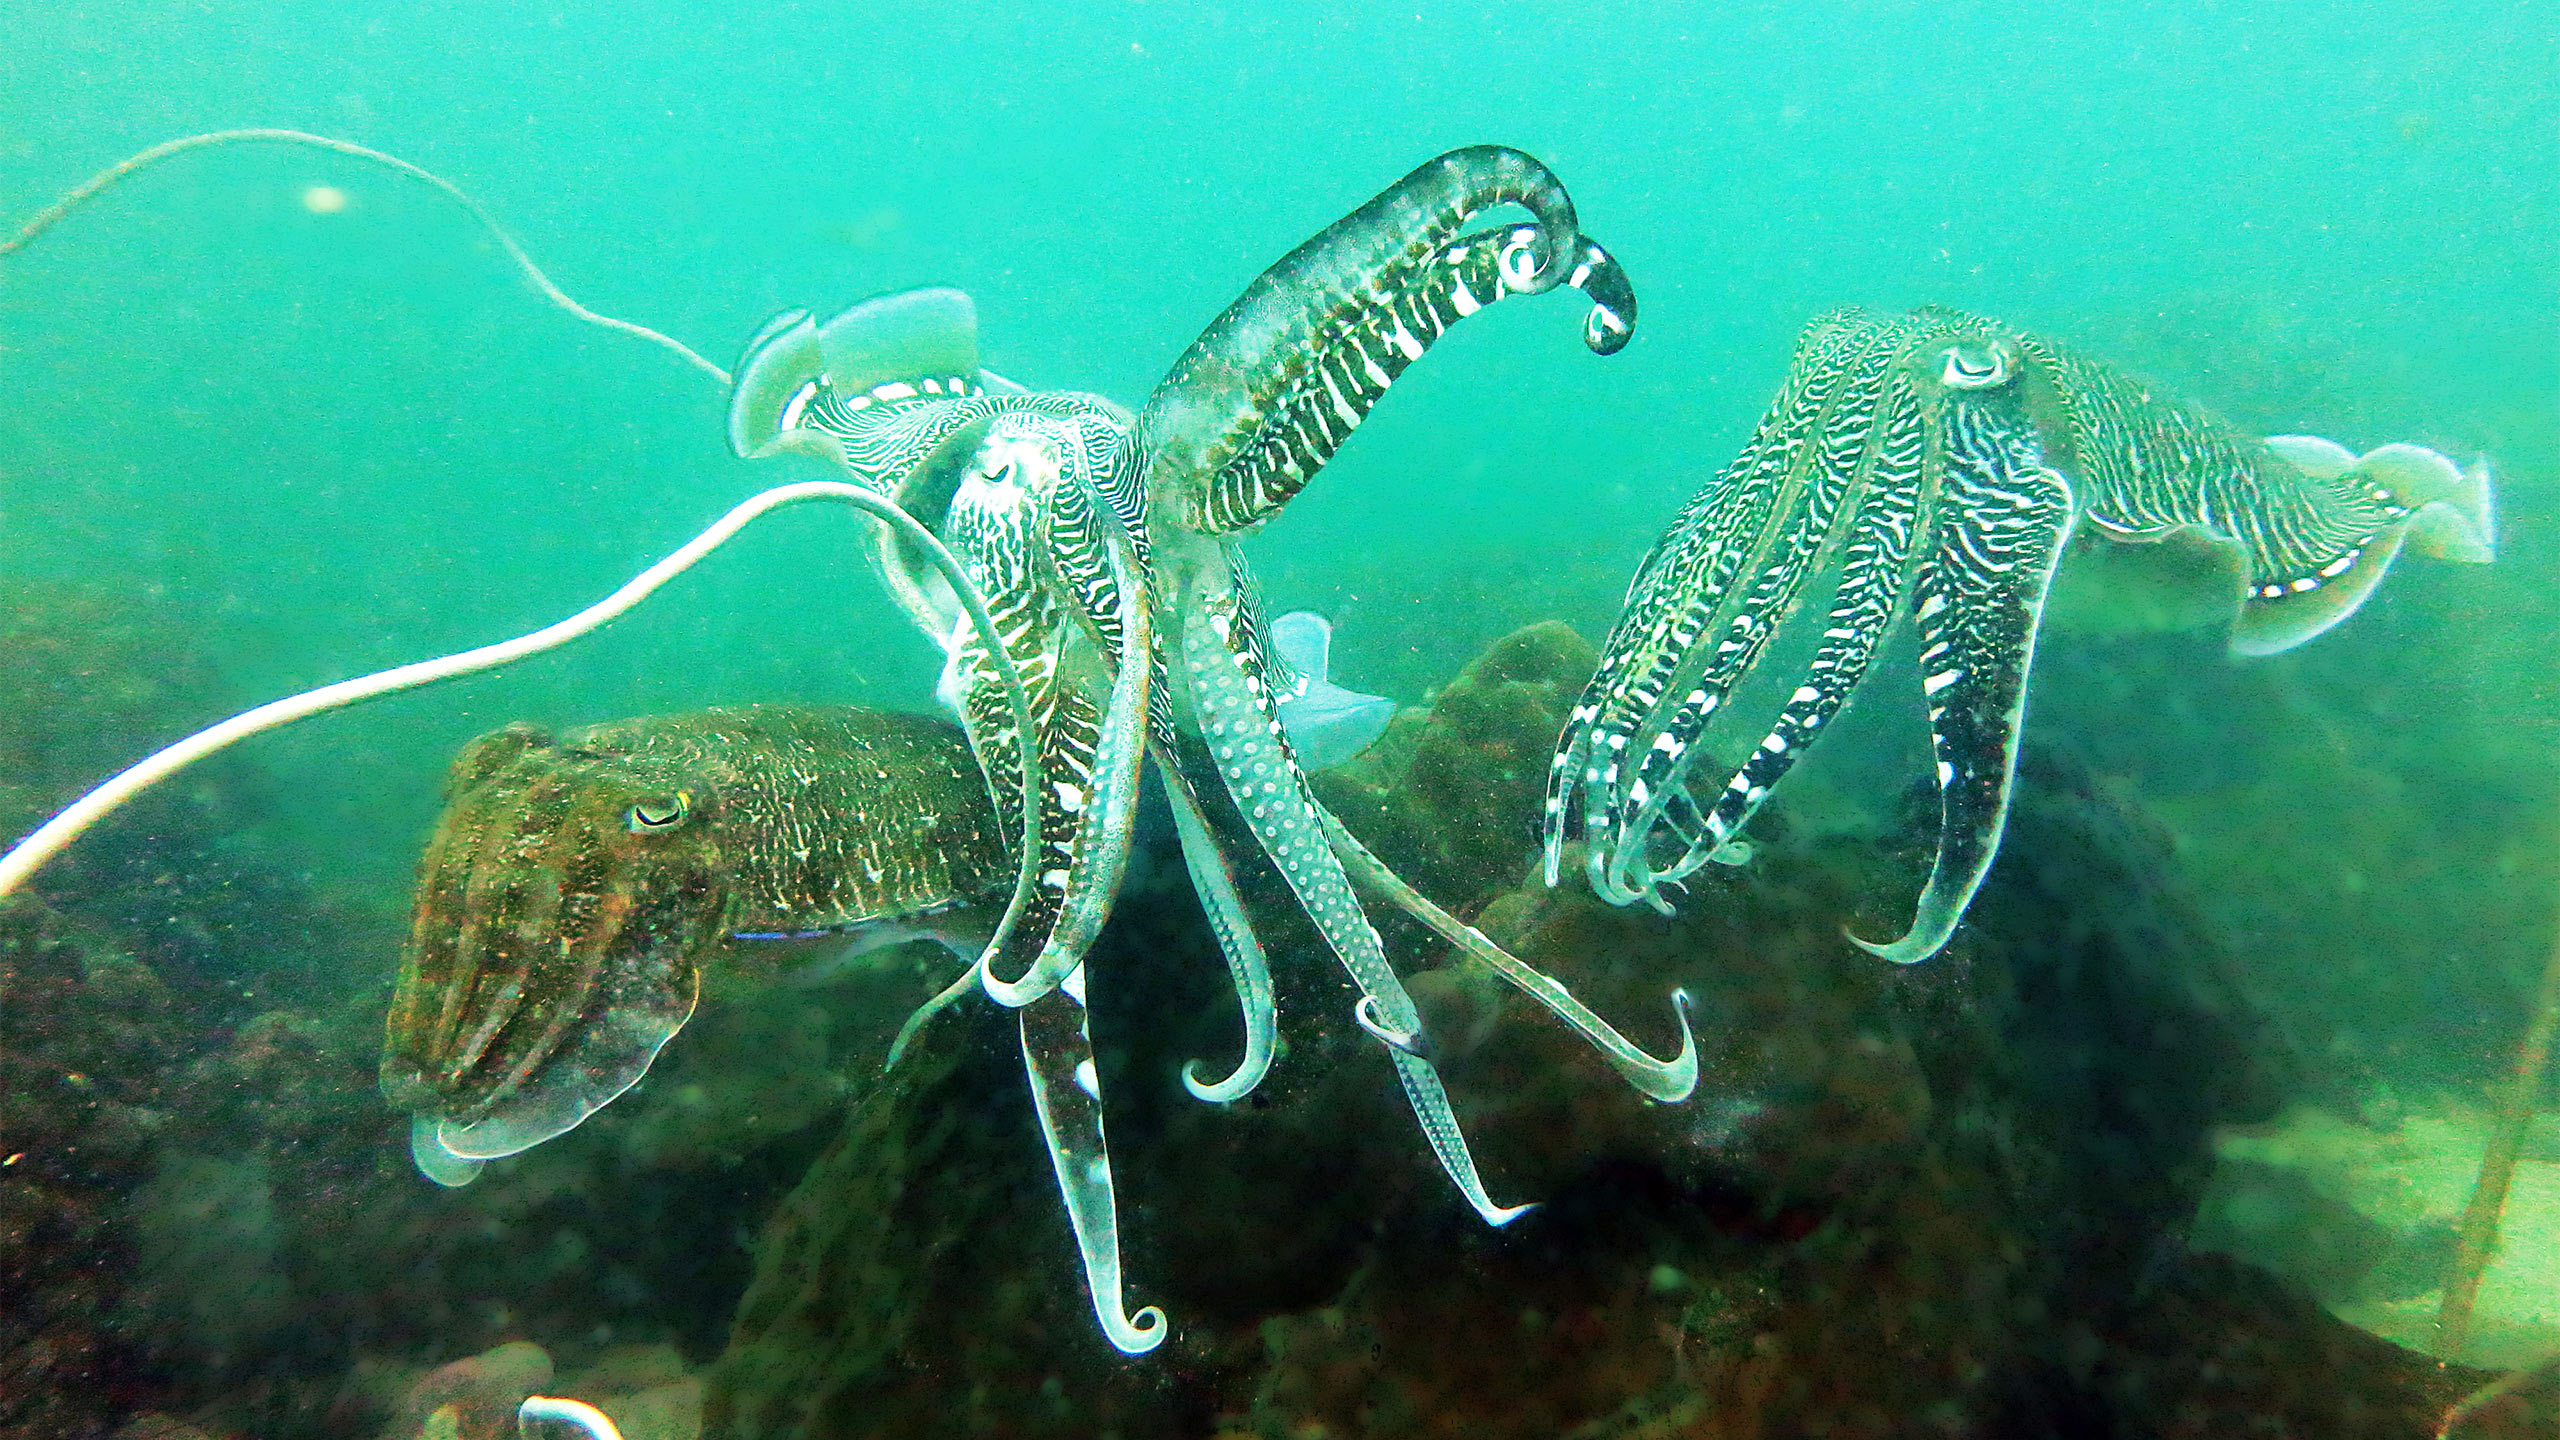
{"x":29,"y":854}
{"x":97,"y":184}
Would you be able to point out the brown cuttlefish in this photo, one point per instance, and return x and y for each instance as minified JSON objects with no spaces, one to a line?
{"x":576,"y":890}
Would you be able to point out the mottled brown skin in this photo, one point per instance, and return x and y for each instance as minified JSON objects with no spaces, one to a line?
{"x":572,"y":885}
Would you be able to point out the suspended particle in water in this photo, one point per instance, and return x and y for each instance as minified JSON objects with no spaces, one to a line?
{"x":324,"y":199}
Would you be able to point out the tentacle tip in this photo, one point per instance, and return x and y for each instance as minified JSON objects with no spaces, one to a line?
{"x":1139,"y":1333}
{"x":1218,"y":1092}
{"x":1014,"y":994}
{"x":1498,"y":1216}
{"x":1679,"y":1079}
{"x":1911,"y":949}
{"x":1605,"y":331}
{"x":1365,"y":1013}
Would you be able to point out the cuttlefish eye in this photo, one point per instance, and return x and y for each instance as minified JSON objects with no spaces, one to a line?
{"x":1977,"y":365}
{"x":663,"y":812}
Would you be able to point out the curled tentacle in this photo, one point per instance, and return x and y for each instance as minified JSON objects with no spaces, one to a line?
{"x":1249,"y":967}
{"x":1665,"y":1080}
{"x":124,"y":169}
{"x":24,"y":858}
{"x":1276,"y":382}
{"x":1242,"y":730}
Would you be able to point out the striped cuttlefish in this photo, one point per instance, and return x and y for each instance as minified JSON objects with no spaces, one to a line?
{"x":1938,"y":465}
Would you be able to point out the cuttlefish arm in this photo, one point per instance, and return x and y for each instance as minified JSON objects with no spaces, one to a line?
{"x":1267,"y":394}
{"x":1326,"y":724}
{"x":1248,"y":965}
{"x":1066,"y":1091}
{"x":1246,"y":744}
{"x":2003,"y":519}
{"x":1669,"y":1081}
{"x":1680,"y":602}
{"x":1841,"y":448}
{"x":1030,"y":520}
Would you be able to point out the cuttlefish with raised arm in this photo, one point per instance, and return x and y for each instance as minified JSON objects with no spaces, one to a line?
{"x":1105,"y":546}
{"x":1079,"y":567}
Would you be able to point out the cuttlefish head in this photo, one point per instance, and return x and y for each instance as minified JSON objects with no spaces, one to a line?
{"x":561,"y":911}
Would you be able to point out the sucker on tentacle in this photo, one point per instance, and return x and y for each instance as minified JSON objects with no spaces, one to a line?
{"x":1943,"y":461}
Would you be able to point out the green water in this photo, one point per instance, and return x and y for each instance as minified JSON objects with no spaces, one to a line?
{"x":325,"y":443}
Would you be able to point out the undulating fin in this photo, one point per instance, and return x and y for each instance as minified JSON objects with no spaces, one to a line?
{"x":896,"y":339}
{"x":780,"y":362}
{"x":1326,"y":723}
{"x":2446,"y":512}
{"x":899,"y":337}
{"x":2003,"y":520}
{"x":1066,"y":1091}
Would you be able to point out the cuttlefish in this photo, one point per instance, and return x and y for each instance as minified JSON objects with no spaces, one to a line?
{"x":578,"y":888}
{"x":1104,"y":544}
{"x":1079,"y":564}
{"x":1937,"y":466}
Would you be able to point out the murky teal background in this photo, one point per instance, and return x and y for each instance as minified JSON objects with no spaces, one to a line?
{"x":340,"y":442}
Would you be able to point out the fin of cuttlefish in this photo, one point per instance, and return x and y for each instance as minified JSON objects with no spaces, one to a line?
{"x":1066,"y":1090}
{"x":1326,"y":723}
{"x":886,"y":339}
{"x":2452,"y":516}
{"x":2003,"y":519}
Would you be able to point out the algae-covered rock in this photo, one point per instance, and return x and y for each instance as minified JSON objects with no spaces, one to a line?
{"x":1953,"y":1191}
{"x":1450,"y":797}
{"x":87,"y":1036}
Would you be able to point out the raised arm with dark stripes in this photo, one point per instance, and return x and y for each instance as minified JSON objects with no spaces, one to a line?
{"x":1271,"y":390}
